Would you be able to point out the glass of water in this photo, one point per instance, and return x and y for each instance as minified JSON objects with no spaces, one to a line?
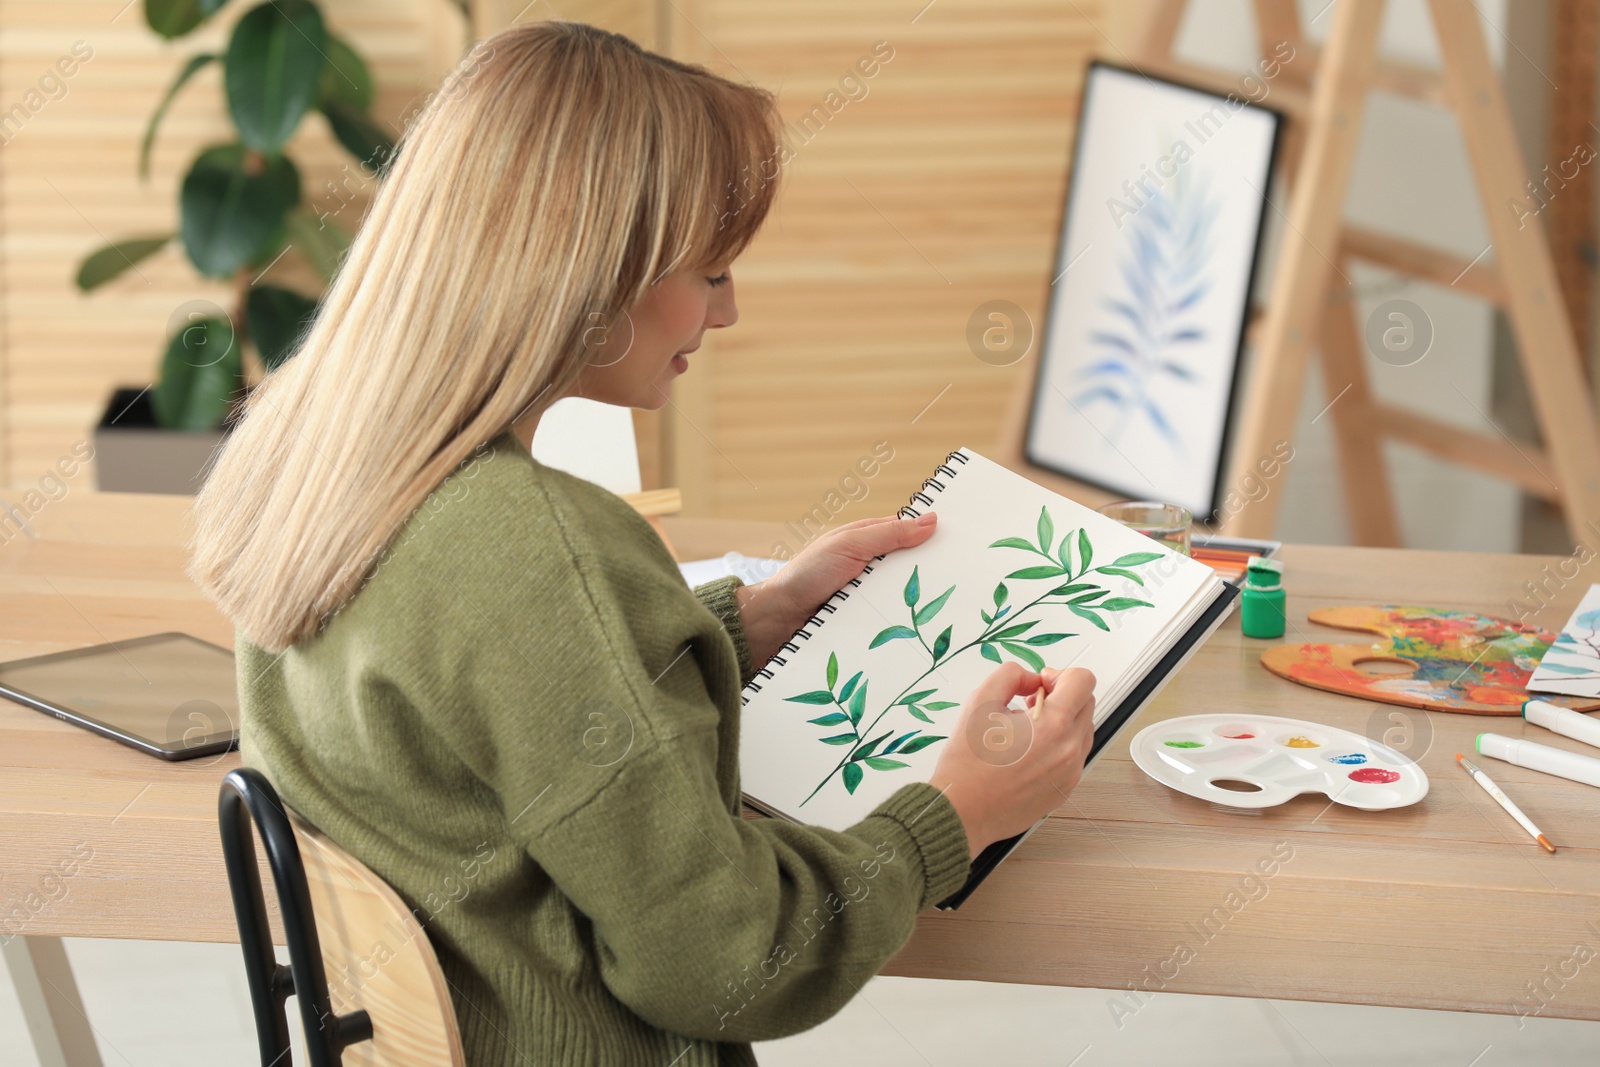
{"x":1167,"y":523}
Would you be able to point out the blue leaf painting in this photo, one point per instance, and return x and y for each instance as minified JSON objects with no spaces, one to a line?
{"x":1153,"y":327}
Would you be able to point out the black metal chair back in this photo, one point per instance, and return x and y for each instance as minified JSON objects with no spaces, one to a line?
{"x":247,"y":797}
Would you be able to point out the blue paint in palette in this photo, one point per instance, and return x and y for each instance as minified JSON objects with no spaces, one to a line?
{"x":1350,"y":758}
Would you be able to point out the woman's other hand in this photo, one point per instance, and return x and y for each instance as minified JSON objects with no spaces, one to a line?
{"x":774,"y":609}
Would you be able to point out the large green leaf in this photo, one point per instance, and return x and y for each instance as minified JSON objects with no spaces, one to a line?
{"x":275,"y":318}
{"x":833,"y":669}
{"x":816,"y":696}
{"x":101,"y":266}
{"x":322,"y":242}
{"x":931,"y":608}
{"x":852,"y":776}
{"x":913,"y":591}
{"x":891,"y":633}
{"x":1046,"y":530}
{"x":272,"y":70}
{"x":229,"y":213}
{"x":1024,"y":653}
{"x":344,"y":78}
{"x":361,"y":134}
{"x":941,"y":644}
{"x":190,"y":69}
{"x":174,"y":18}
{"x":850,"y":686}
{"x":199,"y":375}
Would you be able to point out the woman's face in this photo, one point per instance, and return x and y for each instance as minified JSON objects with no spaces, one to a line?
{"x":633,"y":364}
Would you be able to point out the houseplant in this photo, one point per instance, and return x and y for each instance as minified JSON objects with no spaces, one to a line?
{"x":240,"y":211}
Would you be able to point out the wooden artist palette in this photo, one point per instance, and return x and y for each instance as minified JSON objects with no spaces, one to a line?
{"x":1428,"y":658}
{"x":1258,"y":761}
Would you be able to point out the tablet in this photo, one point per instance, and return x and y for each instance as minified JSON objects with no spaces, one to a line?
{"x":170,"y":695}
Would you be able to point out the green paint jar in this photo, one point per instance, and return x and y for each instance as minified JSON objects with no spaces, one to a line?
{"x":1262,"y":601}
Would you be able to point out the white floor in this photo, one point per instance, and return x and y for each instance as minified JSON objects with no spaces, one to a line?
{"x":154,"y":1004}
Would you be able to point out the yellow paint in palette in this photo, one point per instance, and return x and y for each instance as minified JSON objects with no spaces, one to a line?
{"x":1300,"y":741}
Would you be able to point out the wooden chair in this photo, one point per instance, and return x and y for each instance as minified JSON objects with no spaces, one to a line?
{"x":389,"y":1004}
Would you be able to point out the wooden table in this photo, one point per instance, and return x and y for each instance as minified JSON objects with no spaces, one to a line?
{"x":1442,"y":905}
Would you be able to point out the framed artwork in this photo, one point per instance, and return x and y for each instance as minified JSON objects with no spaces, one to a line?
{"x":1156,"y":257}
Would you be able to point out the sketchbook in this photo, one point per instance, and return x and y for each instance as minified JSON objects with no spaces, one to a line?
{"x":863,"y":697}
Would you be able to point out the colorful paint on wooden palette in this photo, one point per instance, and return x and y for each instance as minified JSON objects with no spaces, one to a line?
{"x":1376,"y":775}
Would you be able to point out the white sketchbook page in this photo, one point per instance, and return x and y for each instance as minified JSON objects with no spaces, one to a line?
{"x":782,"y":757}
{"x":1572,"y":666}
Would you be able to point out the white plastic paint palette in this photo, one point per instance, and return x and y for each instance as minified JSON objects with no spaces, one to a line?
{"x":1257,"y":761}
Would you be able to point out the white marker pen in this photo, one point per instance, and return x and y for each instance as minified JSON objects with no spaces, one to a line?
{"x":1537,"y":757}
{"x":1563,"y":721}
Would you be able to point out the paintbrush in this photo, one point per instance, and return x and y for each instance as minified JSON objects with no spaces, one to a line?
{"x":1504,"y":801}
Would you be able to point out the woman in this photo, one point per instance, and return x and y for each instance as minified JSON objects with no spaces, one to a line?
{"x":486,"y":678}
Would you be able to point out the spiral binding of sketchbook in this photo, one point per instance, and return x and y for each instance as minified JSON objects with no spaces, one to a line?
{"x":806,"y":631}
{"x":1103,"y":596}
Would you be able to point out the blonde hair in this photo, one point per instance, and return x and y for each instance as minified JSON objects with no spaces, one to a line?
{"x":557,"y":173}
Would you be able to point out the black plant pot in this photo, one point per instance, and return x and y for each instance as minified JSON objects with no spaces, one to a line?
{"x":133,"y":454}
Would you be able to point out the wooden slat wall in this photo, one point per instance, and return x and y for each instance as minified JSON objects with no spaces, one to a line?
{"x":68,"y":182}
{"x":937,"y":192}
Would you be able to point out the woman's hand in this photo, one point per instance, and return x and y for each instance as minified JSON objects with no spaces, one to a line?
{"x":774,"y":609}
{"x":1004,"y":770}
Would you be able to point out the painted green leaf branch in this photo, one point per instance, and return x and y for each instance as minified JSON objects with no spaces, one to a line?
{"x":1067,"y":565}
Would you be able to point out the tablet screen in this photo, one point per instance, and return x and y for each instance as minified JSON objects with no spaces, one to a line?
{"x":171,"y":690}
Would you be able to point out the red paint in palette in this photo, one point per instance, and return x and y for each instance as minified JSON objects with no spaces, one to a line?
{"x":1374,"y":774}
{"x":1237,"y":737}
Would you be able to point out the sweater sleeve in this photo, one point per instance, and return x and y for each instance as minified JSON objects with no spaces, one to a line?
{"x":721,"y":596}
{"x":717,"y":927}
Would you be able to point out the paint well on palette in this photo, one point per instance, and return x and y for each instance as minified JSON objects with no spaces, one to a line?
{"x":1350,"y":758}
{"x":1300,"y":741}
{"x":1186,"y":744}
{"x":1374,"y":775}
{"x":1238,"y":737}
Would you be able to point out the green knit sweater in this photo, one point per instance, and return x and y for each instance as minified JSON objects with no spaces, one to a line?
{"x":528,"y":725}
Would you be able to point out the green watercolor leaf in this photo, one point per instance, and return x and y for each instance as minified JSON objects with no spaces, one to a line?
{"x":940,"y":705}
{"x":913,"y":589}
{"x":1013,"y":542}
{"x":942,"y":644}
{"x":984,"y":615}
{"x":1091,"y":616}
{"x":1024,"y":653}
{"x":816,"y":696}
{"x":1074,"y":587}
{"x":831,"y":719}
{"x":891,"y":633}
{"x":1047,"y":639}
{"x":1084,"y":598}
{"x":849,"y":687}
{"x":1133,"y":559}
{"x":920,"y":743}
{"x":839,"y":739}
{"x":989,"y":653}
{"x":1064,"y":554}
{"x":1052,"y":571}
{"x":897,"y":742}
{"x":1013,"y":631}
{"x":912,"y":698}
{"x":918,"y":712}
{"x":852,"y":776}
{"x":1085,"y":550}
{"x":1000,"y":594}
{"x":833,"y":669}
{"x":930,"y":609}
{"x":1046,"y":530}
{"x":1120,"y":573}
{"x":881,"y":763}
{"x":1123,"y":603}
{"x":866,"y":750}
{"x":858,"y":704}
